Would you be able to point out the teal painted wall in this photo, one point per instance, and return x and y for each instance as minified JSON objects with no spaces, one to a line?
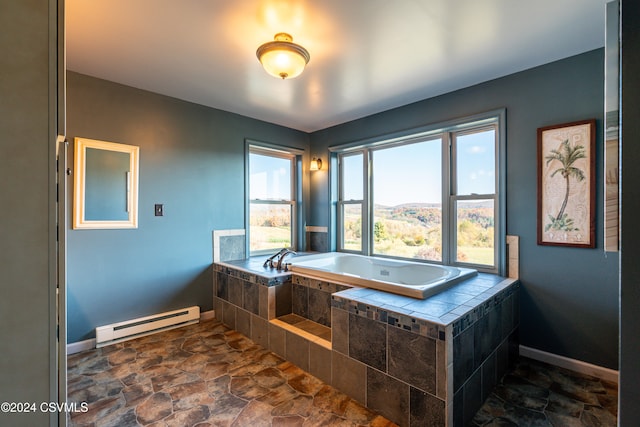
{"x":570,"y":296}
{"x":27,"y":232}
{"x":192,"y":161}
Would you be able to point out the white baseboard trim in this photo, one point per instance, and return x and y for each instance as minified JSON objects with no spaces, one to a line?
{"x":579,"y":366}
{"x":77,"y":347}
{"x":208,"y":315}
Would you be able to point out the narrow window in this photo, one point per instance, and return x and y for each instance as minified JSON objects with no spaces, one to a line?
{"x":351,"y":202}
{"x":474,"y":196}
{"x":272,"y":204}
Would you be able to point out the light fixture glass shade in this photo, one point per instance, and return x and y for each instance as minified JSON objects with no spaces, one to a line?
{"x":316,"y":164}
{"x":281,"y":58}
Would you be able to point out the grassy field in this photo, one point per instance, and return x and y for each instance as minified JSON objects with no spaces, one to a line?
{"x":263,"y":238}
{"x":477,"y":255}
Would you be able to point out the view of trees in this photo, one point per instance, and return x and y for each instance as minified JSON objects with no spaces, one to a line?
{"x":270,"y":226}
{"x":409,"y":231}
{"x":415,"y":231}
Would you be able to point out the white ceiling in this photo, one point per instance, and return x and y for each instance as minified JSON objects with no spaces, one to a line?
{"x":367,"y":56}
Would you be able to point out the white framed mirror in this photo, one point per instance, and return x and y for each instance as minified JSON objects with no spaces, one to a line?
{"x":105,"y":191}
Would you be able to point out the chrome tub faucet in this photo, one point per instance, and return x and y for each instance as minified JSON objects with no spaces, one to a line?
{"x":269,"y":262}
{"x":284,"y":254}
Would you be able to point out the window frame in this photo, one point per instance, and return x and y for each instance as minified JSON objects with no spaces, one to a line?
{"x":364,"y":209}
{"x":295,"y":201}
{"x":454,"y":197}
{"x":471,"y":124}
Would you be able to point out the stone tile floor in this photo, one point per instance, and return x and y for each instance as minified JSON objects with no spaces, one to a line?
{"x":203,"y":375}
{"x":208,"y":375}
{"x":537,"y":394}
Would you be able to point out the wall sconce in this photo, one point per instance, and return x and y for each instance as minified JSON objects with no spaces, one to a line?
{"x":283,"y":58}
{"x":316,"y":164}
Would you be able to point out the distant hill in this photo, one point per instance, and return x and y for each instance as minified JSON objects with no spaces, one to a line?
{"x":409,"y":206}
{"x":461,"y":204}
{"x":475,"y":205}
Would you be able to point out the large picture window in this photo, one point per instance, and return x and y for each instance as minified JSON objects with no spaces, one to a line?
{"x":272,"y":199}
{"x":406,"y":197}
{"x":431,"y":195}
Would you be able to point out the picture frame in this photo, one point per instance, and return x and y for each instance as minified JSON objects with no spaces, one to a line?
{"x":566,"y":184}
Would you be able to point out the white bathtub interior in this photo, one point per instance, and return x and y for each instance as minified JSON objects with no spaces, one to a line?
{"x":413,"y":279}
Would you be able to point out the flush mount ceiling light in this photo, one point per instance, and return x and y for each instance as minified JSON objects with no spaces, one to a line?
{"x":283,"y":58}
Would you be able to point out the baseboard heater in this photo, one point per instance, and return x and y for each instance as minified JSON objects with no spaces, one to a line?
{"x":135,"y":328}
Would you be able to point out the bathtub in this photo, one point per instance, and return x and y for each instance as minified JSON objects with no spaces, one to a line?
{"x":412,"y":279}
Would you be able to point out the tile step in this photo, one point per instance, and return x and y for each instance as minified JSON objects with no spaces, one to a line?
{"x":305,"y":328}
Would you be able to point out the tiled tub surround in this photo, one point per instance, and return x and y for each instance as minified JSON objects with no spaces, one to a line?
{"x":247,"y":295}
{"x":317,"y":239}
{"x":439,"y":357}
{"x":228,"y":245}
{"x":417,"y":362}
{"x":311,"y":298}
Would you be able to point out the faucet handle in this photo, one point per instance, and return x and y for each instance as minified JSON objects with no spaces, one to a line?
{"x":269,"y":261}
{"x":284,"y":254}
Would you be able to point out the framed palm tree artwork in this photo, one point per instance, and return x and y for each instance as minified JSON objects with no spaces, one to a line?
{"x":566,"y":184}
